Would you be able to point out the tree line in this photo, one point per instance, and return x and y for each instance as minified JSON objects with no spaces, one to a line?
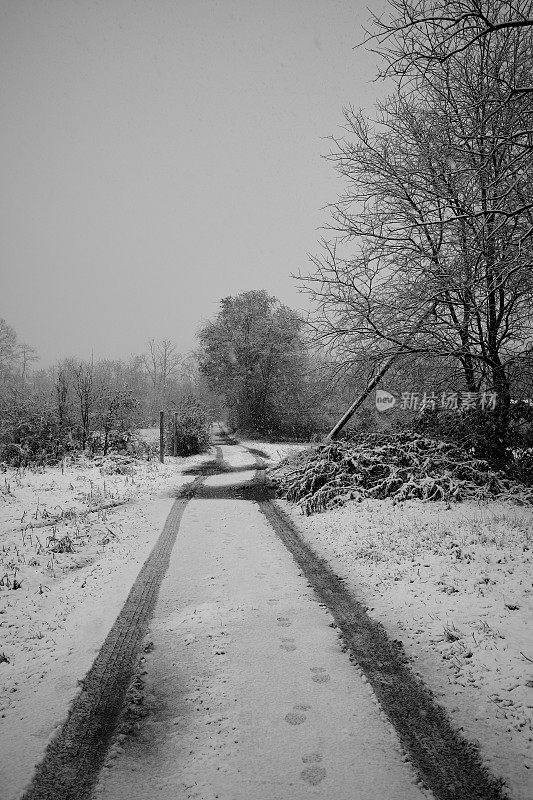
{"x":423,"y":278}
{"x":89,"y":404}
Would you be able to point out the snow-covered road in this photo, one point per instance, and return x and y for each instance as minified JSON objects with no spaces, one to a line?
{"x":247,"y":688}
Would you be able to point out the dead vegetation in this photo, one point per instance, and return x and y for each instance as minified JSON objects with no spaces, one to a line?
{"x":402,"y":466}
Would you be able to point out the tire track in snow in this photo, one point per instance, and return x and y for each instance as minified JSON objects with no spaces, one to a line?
{"x":448,"y":765}
{"x":75,"y":755}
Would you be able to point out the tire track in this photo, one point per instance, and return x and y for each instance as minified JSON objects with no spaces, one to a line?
{"x":448,"y":764}
{"x":74,"y":757}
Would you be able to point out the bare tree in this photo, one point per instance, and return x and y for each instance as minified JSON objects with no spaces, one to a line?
{"x":416,"y":35}
{"x":84,"y":388}
{"x":26,"y":356}
{"x":15,"y":359}
{"x":62,"y":385}
{"x":438,"y":205}
{"x":161,"y":363}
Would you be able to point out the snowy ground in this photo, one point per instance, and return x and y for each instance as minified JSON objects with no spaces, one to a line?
{"x":273,"y":452}
{"x":56,"y":606}
{"x":247,"y":690}
{"x":453,"y":584}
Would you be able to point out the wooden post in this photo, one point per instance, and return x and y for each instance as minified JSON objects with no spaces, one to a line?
{"x":175,"y":433}
{"x":162,"y":437}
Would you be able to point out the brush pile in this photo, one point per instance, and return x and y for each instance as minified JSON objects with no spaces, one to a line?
{"x":402,"y":466}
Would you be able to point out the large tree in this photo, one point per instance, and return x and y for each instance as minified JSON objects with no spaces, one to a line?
{"x":254,"y":358}
{"x":416,"y":35}
{"x":432,"y":256}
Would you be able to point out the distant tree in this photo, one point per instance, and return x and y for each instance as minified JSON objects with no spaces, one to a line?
{"x":15,"y":360}
{"x":117,"y":414}
{"x":254,"y":358}
{"x":161,"y":363}
{"x":190,"y":435}
{"x":85,"y":392}
{"x":8,"y":348}
{"x":61,"y":376}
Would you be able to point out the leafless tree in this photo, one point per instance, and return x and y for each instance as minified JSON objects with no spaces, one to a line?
{"x":26,"y":356}
{"x":85,"y":390}
{"x":415,"y":35}
{"x":62,"y":385}
{"x":15,"y":359}
{"x":438,"y":204}
{"x":161,"y":363}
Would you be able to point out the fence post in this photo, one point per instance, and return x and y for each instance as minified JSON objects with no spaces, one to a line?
{"x":175,"y":433}
{"x":162,"y":437}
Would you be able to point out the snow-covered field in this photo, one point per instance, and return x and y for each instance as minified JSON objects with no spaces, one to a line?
{"x":68,"y":557}
{"x":454,"y":585}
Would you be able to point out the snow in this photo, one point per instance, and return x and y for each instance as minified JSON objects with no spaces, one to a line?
{"x":273,"y":451}
{"x":248,"y":691}
{"x":453,"y":584}
{"x":54,"y":624}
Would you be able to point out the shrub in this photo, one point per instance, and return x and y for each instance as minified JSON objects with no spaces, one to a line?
{"x":31,"y":436}
{"x":401,"y":466}
{"x":192,"y":428}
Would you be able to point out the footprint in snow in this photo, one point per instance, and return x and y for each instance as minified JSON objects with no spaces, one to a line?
{"x":311,"y":758}
{"x":313,"y":774}
{"x":295,"y":718}
{"x":284,"y":622}
{"x":287,"y":644}
{"x":319,"y":675}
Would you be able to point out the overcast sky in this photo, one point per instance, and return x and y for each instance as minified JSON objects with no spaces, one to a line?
{"x":158,"y":155}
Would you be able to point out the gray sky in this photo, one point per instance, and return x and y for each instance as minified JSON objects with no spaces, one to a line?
{"x":157,"y":155}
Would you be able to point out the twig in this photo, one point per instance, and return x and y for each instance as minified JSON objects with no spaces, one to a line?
{"x":55,"y":520}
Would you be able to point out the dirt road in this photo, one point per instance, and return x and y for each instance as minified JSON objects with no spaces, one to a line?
{"x":246,"y":688}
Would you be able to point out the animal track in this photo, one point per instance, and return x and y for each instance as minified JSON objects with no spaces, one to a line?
{"x":284,"y":622}
{"x":287,"y":643}
{"x":294,"y":718}
{"x":319,"y":675}
{"x":310,"y":758}
{"x":313,"y":775}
